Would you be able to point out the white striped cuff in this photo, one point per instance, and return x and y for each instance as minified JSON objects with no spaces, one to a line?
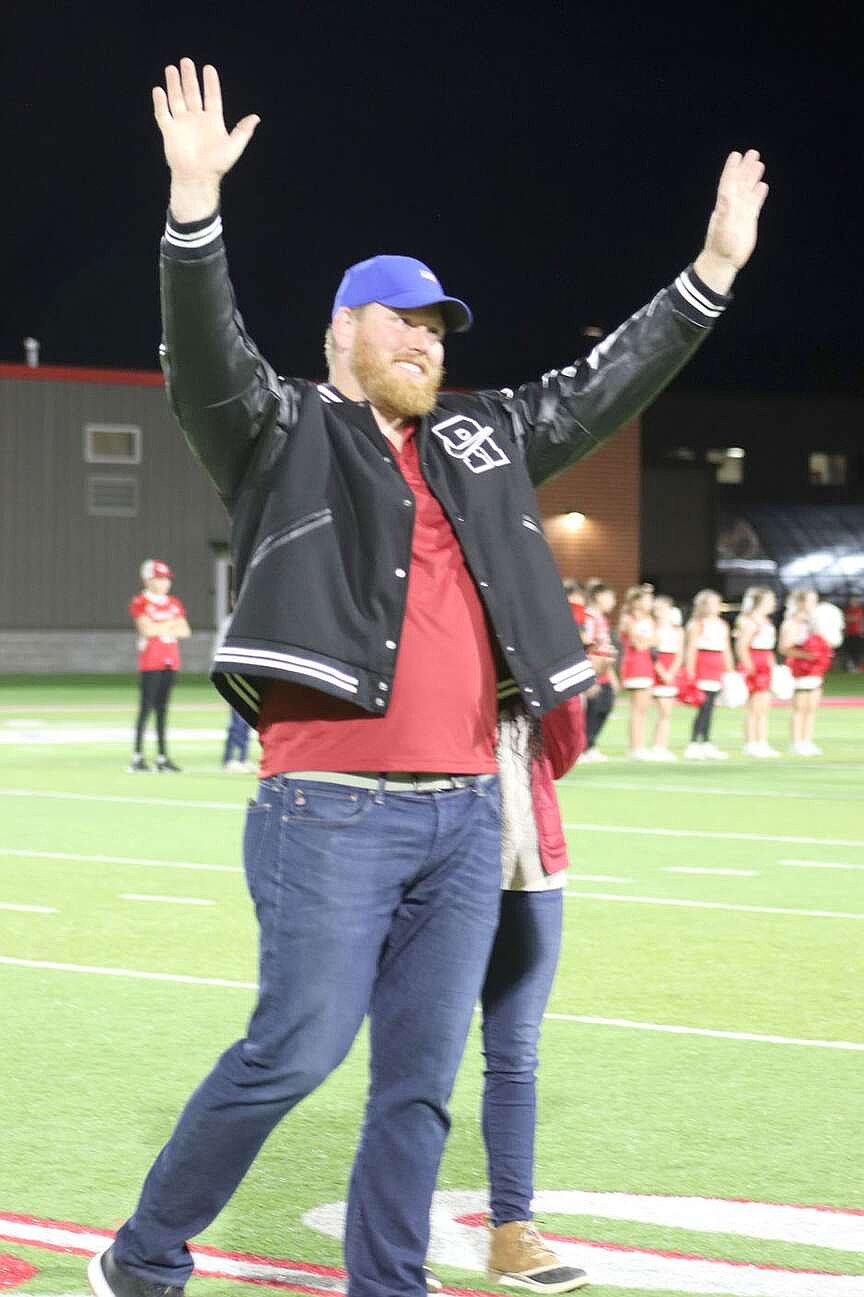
{"x":191,"y":239}
{"x":696,"y":300}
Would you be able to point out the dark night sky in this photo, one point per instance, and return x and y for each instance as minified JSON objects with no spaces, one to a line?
{"x":555,"y":163}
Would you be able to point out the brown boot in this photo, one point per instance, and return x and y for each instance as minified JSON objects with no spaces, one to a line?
{"x":519,"y":1258}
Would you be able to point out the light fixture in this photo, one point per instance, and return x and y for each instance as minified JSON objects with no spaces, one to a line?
{"x":736,"y":452}
{"x":573,"y":521}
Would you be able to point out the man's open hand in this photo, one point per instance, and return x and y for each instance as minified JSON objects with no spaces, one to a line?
{"x":732,"y":228}
{"x":198,"y":148}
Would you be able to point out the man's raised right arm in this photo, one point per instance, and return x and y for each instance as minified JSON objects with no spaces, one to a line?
{"x":221,"y":390}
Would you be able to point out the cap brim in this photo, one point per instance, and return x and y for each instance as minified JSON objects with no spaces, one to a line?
{"x":457,"y":315}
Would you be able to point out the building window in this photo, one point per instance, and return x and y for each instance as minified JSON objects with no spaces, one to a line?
{"x":728,"y":464}
{"x":686,"y":454}
{"x":827,"y":470}
{"x":112,"y":497}
{"x":112,"y":443}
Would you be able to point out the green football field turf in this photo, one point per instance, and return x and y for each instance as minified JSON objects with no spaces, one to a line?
{"x":723,"y":900}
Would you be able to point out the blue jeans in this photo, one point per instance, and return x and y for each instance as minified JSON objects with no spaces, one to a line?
{"x":236,"y":739}
{"x":367,"y":902}
{"x":515,"y":994}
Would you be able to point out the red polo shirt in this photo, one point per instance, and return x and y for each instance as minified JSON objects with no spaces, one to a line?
{"x":443,"y":709}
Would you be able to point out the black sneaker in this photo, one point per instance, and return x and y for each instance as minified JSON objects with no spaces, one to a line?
{"x":433,"y":1282}
{"x":107,"y":1278}
{"x":165,"y":765}
{"x":138,"y":766}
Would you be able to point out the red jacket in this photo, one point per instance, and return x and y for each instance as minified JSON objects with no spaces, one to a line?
{"x":563,"y":742}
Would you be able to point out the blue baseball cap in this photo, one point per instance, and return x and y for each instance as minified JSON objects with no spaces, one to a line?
{"x":400,"y":282}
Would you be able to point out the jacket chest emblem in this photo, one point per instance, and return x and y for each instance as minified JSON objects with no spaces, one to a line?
{"x":471,"y":442}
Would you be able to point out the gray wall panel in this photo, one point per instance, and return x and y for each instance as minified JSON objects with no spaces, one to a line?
{"x":62,"y":569}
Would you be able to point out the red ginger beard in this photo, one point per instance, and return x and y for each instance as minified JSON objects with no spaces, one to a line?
{"x":390,"y":390}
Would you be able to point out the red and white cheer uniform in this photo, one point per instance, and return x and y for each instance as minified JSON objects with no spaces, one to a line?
{"x":809,"y":672}
{"x":711,"y":648}
{"x":637,"y":665}
{"x":669,"y":639}
{"x":761,"y":650}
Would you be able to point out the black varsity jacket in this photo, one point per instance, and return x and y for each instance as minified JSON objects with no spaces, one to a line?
{"x":322,"y":517}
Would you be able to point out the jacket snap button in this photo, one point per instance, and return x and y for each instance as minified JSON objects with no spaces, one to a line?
{"x":535,"y":704}
{"x":390,"y":643}
{"x":407,"y":503}
{"x":400,"y":572}
{"x":528,"y":690}
{"x":383,"y":686}
{"x":510,"y":648}
{"x":485,"y":584}
{"x":299,"y":799}
{"x":379,"y":702}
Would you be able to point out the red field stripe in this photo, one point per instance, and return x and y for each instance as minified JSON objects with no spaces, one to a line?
{"x":14,"y":1271}
{"x":204,"y":1250}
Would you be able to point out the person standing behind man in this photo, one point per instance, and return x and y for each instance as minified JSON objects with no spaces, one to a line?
{"x":385,"y":535}
{"x":597,"y":637}
{"x":160,"y":620}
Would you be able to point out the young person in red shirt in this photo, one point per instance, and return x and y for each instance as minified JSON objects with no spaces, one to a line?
{"x":597,"y":638}
{"x":808,"y":655}
{"x":755,"y":638}
{"x":160,"y":620}
{"x":636,"y":631}
{"x":707,"y":656}
{"x":853,"y":644}
{"x":668,"y":660}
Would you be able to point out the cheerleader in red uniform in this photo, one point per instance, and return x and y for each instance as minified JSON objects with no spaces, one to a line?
{"x":636,"y":630}
{"x":668,"y":660}
{"x":707,"y":654}
{"x":755,"y":638}
{"x":160,"y":620}
{"x":808,"y":656}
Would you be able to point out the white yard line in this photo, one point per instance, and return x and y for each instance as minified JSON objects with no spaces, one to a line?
{"x":118,"y":860}
{"x":723,"y":873}
{"x":168,"y":900}
{"x":128,"y":709}
{"x":27,"y":909}
{"x":38,"y":733}
{"x":756,"y":1037}
{"x":819,"y":864}
{"x":126,"y":801}
{"x":714,"y":905}
{"x":599,"y":878}
{"x":53,"y":966}
{"x":718,"y":835}
{"x":619,"y":785}
{"x":586,"y":1019}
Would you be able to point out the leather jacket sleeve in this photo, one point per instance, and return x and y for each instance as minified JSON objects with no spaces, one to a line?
{"x":570,"y":412}
{"x":221,"y":390}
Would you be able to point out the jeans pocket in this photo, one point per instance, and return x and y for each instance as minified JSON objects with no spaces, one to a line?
{"x":327,"y":804}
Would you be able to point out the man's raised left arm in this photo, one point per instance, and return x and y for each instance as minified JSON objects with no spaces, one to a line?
{"x":572,"y":411}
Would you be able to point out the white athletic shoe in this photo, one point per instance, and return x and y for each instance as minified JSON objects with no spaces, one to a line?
{"x":805,"y":748}
{"x":641,"y":754}
{"x":590,"y":756}
{"x":767,"y":750}
{"x":710,"y":753}
{"x":663,"y":754}
{"x":694,"y":752}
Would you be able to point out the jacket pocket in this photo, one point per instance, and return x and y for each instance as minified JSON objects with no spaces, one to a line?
{"x":299,"y":527}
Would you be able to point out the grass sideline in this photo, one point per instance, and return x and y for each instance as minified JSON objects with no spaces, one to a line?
{"x":96,"y":1067}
